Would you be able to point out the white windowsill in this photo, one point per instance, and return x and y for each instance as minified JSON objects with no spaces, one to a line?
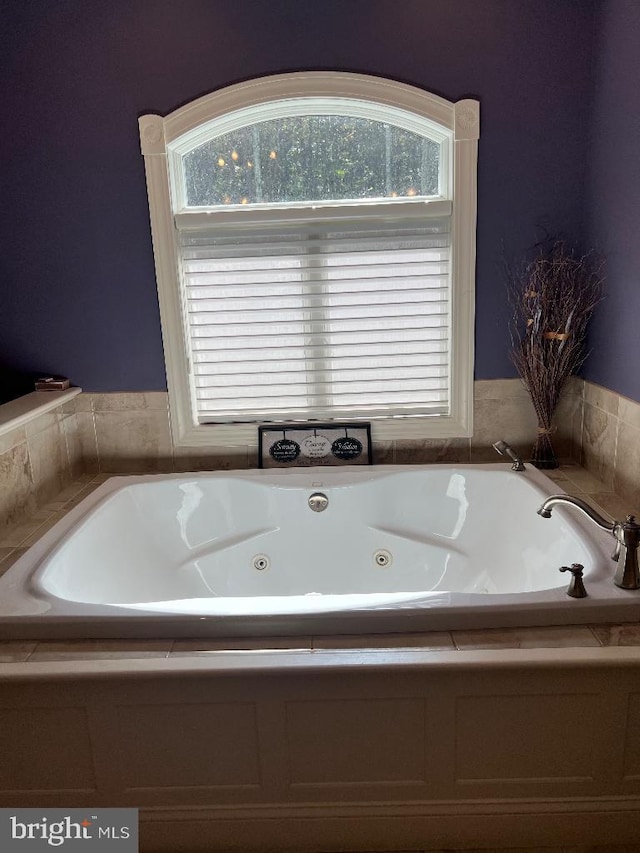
{"x":19,"y":412}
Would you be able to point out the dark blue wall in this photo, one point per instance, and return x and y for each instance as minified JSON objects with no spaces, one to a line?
{"x":77,"y":288}
{"x":614,"y":199}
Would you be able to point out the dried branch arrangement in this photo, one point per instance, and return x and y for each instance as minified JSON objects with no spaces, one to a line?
{"x":552,"y":298}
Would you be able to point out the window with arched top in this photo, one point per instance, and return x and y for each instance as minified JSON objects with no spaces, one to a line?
{"x":314,"y":238}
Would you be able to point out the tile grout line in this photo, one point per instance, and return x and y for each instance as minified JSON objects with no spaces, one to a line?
{"x":595,"y":636}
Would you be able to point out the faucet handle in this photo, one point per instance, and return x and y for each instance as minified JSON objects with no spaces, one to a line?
{"x":576,"y":586}
{"x":627,"y":536}
{"x":627,"y":532}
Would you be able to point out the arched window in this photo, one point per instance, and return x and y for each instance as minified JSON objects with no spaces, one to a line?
{"x":314,"y":237}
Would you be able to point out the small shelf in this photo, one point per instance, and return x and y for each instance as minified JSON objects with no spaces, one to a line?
{"x":19,"y":412}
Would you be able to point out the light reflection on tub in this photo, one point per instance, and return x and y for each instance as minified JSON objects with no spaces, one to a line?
{"x":177,"y":556}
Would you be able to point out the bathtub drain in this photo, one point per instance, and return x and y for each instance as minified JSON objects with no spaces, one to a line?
{"x":261,"y":562}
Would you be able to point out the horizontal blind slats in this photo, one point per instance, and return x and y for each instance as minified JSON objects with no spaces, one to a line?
{"x":295,"y":317}
{"x":369,"y":274}
{"x":234,"y":351}
{"x":269,"y":330}
{"x":301,"y":320}
{"x":374,"y":397}
{"x":293,"y":392}
{"x":273,"y":414}
{"x":336,"y":381}
{"x":217,"y":307}
{"x":247,"y":367}
{"x":346,"y":339}
{"x":238,"y":298}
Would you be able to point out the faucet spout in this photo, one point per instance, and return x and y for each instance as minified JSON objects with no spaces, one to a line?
{"x":626,"y":534}
{"x":577,"y":503}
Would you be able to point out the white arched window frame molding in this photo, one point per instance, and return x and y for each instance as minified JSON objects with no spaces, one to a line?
{"x":164,"y":141}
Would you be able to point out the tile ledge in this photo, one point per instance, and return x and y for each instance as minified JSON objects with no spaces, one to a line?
{"x":17,"y":413}
{"x":287,"y":660}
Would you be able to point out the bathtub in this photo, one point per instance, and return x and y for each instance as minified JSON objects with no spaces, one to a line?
{"x":384,"y":549}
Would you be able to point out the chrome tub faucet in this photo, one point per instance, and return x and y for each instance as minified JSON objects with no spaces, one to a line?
{"x":626,"y":533}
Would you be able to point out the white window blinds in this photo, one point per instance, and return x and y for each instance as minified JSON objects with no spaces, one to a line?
{"x":309,"y":317}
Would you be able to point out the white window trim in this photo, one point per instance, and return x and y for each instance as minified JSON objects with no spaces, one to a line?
{"x":160,"y":139}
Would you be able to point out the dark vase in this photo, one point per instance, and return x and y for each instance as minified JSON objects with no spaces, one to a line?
{"x":542,"y":452}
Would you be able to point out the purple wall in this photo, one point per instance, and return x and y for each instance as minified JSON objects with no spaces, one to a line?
{"x":77,"y":287}
{"x":613,"y":199}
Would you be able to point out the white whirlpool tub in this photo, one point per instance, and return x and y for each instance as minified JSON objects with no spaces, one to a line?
{"x":397,"y":548}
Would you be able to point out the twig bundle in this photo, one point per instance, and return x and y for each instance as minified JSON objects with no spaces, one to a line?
{"x":552,"y":298}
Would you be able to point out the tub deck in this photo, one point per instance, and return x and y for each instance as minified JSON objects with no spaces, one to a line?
{"x":438,"y":611}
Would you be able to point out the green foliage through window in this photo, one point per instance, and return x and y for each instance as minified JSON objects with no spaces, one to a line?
{"x":311,"y":158}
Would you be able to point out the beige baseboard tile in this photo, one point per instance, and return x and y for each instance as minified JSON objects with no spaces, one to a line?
{"x":15,"y":651}
{"x":100,"y":650}
{"x":560,"y":477}
{"x":571,"y":636}
{"x":16,"y":536}
{"x":584,"y":480}
{"x":182,"y":648}
{"x":627,"y":634}
{"x":82,"y":494}
{"x":186,"y":459}
{"x":383,"y":452}
{"x":120,"y":401}
{"x":432,"y":451}
{"x":430,"y":641}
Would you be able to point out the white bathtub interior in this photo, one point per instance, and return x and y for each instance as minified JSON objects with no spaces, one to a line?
{"x":397,"y":548}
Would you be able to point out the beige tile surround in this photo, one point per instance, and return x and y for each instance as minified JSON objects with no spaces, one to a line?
{"x":130,"y":433}
{"x":37,"y":461}
{"x":610,"y":441}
